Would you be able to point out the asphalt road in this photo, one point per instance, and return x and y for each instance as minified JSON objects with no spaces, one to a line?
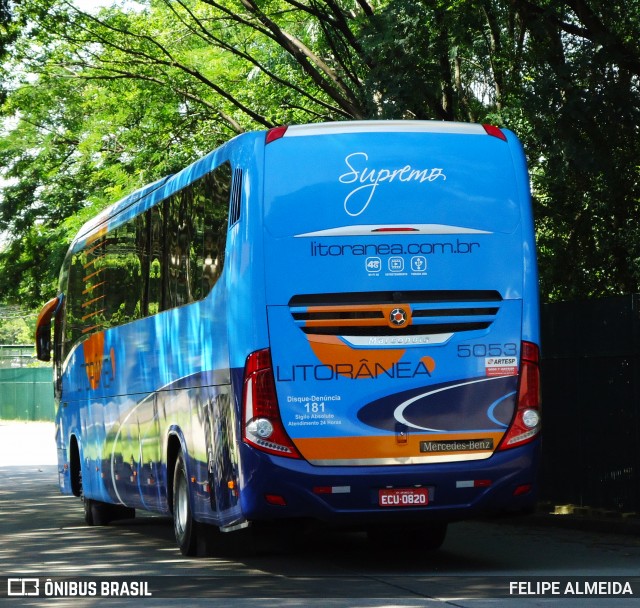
{"x":43,"y":538}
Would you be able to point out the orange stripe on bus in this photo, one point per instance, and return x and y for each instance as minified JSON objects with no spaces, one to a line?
{"x":93,"y":314}
{"x":385,"y":446}
{"x":93,"y":261}
{"x":92,"y":238}
{"x":332,"y":351}
{"x":92,"y":287}
{"x":93,"y":274}
{"x":383,"y":320}
{"x":85,"y":304}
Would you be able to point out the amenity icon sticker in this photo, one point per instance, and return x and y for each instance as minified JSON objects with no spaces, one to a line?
{"x":373,"y":265}
{"x":418,"y":264}
{"x":396,"y":264}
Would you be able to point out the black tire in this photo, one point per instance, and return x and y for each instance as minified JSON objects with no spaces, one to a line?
{"x":184,"y":526}
{"x":422,"y":537}
{"x":97,"y":513}
{"x":88,"y":511}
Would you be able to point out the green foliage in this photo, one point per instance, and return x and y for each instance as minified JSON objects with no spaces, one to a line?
{"x":101,"y":103}
{"x":392,"y":34}
{"x":8,"y":33}
{"x":15,"y":329}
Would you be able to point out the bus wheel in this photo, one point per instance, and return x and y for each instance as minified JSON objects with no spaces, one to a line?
{"x":183,"y":524}
{"x":98,"y":513}
{"x":421,"y":537}
{"x":88,"y":511}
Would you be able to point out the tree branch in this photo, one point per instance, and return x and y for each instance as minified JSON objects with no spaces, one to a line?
{"x":307,"y":59}
{"x":208,"y":36}
{"x":168,"y":62}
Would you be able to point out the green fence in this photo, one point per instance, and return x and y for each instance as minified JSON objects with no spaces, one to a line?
{"x":26,"y":392}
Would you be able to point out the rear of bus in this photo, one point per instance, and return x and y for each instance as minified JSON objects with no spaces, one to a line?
{"x":401,"y":382}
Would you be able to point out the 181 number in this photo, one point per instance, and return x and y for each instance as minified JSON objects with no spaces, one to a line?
{"x":510,"y":349}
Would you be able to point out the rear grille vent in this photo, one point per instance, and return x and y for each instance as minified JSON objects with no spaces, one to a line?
{"x":409,"y":313}
{"x":236,"y":197}
{"x":396,"y":297}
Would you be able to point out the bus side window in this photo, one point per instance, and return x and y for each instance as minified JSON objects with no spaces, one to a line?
{"x":85,"y":306}
{"x":215,"y":212}
{"x":142,"y":251}
{"x":156,"y":268}
{"x":73,"y":310}
{"x":199,"y":236}
{"x":168,"y":256}
{"x":58,"y":346}
{"x":179,"y":242}
{"x":124,"y":286}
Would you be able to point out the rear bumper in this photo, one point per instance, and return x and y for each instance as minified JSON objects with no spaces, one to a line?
{"x":504,"y":483}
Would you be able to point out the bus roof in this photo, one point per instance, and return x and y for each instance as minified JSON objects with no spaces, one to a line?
{"x":384,"y":126}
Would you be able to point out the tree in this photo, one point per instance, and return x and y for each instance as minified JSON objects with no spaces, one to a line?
{"x":583,"y":106}
{"x":15,"y":328}
{"x":7,"y":35}
{"x":118,"y":98}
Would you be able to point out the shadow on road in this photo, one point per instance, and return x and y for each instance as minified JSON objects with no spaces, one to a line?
{"x":44,"y":531}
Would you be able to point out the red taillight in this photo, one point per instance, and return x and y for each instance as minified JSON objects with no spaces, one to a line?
{"x":523,"y":489}
{"x":526,"y":425}
{"x":396,"y":229}
{"x":495,"y":132}
{"x":276,"y":500}
{"x":275,"y":133}
{"x":261,"y":424}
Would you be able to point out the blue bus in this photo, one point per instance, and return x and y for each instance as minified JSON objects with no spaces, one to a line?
{"x":331,"y":322}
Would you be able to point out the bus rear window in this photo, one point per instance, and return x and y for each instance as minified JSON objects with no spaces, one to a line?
{"x":466,"y":182}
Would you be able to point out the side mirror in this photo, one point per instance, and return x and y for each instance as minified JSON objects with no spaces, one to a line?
{"x":43,"y":328}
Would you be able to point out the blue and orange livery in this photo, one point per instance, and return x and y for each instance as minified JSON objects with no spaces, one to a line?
{"x":335,"y":322}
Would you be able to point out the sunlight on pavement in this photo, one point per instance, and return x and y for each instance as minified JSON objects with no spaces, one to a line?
{"x":27,"y":443}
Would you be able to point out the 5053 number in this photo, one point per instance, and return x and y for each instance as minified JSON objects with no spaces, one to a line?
{"x":510,"y":349}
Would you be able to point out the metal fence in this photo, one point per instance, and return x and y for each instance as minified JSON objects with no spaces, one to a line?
{"x":26,"y":389}
{"x":17,"y":355}
{"x":591,"y":403}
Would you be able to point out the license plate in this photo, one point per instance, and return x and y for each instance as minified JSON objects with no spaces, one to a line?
{"x":403,"y":497}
